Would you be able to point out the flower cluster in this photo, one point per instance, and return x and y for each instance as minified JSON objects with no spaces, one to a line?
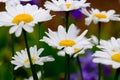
{"x":65,"y":5}
{"x":21,"y":17}
{"x":70,"y":41}
{"x":21,"y":58}
{"x":67,"y":42}
{"x":110,"y":53}
{"x":99,"y":16}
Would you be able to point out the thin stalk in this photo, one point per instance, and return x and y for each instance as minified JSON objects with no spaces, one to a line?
{"x":99,"y":36}
{"x":12,"y":44}
{"x":13,"y":52}
{"x":67,"y":20}
{"x":99,"y":32}
{"x":99,"y":71}
{"x":80,"y":68}
{"x":35,"y":77}
{"x":66,"y":72}
{"x":39,"y":36}
{"x":67,"y":66}
{"x":117,"y":74}
{"x":42,"y":68}
{"x":42,"y":72}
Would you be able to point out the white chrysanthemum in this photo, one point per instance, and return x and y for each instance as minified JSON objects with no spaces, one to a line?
{"x":31,"y":77}
{"x":110,"y":54}
{"x":65,"y":5}
{"x":23,"y":17}
{"x":99,"y":16}
{"x":12,"y":2}
{"x":67,"y":42}
{"x":21,"y":58}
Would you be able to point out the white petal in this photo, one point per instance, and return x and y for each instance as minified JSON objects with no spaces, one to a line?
{"x":88,"y":20}
{"x":47,"y":59}
{"x":72,"y":32}
{"x":40,"y":50}
{"x":81,"y":36}
{"x":61,"y":53}
{"x":18,"y":32}
{"x":28,"y":28}
{"x":13,"y":29}
{"x":102,"y":61}
{"x":61,"y":32}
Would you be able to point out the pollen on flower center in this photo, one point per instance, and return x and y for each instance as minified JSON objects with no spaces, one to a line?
{"x":67,"y":43}
{"x":76,"y":50}
{"x":26,"y":18}
{"x":100,"y":15}
{"x":27,"y":60}
{"x":116,"y":57}
{"x":113,"y":50}
{"x":68,"y":5}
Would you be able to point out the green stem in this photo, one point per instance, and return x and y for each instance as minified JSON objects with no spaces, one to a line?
{"x":99,"y":36}
{"x":67,"y":20}
{"x":99,"y":32}
{"x":39,"y":36}
{"x":99,"y":71}
{"x":66,"y":72}
{"x":42,"y":72}
{"x":35,"y":77}
{"x":13,"y":52}
{"x":12,"y":44}
{"x":68,"y":67}
{"x":80,"y":68}
{"x":117,"y":74}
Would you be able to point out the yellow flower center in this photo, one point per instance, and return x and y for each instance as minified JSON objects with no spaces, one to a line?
{"x":76,"y":50}
{"x":116,"y":57}
{"x":26,"y":18}
{"x":68,"y":5}
{"x":100,"y":16}
{"x":27,"y":60}
{"x":67,"y":43}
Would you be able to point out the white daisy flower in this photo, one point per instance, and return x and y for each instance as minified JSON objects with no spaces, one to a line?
{"x":110,"y":54}
{"x":65,"y":5}
{"x":99,"y":16}
{"x":21,"y":58}
{"x":12,"y":2}
{"x":67,"y":42}
{"x":31,"y":77}
{"x":23,"y":18}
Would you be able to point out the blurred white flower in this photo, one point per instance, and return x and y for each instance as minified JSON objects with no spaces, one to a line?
{"x":12,"y":2}
{"x":65,"y":5}
{"x":67,"y":42}
{"x":31,"y":77}
{"x":110,"y":54}
{"x":23,"y":18}
{"x":99,"y":16}
{"x":94,"y":40}
{"x":21,"y":58}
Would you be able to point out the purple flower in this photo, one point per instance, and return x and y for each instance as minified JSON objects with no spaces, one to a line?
{"x":33,"y":2}
{"x":76,"y":14}
{"x":90,"y":69}
{"x":73,"y":76}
